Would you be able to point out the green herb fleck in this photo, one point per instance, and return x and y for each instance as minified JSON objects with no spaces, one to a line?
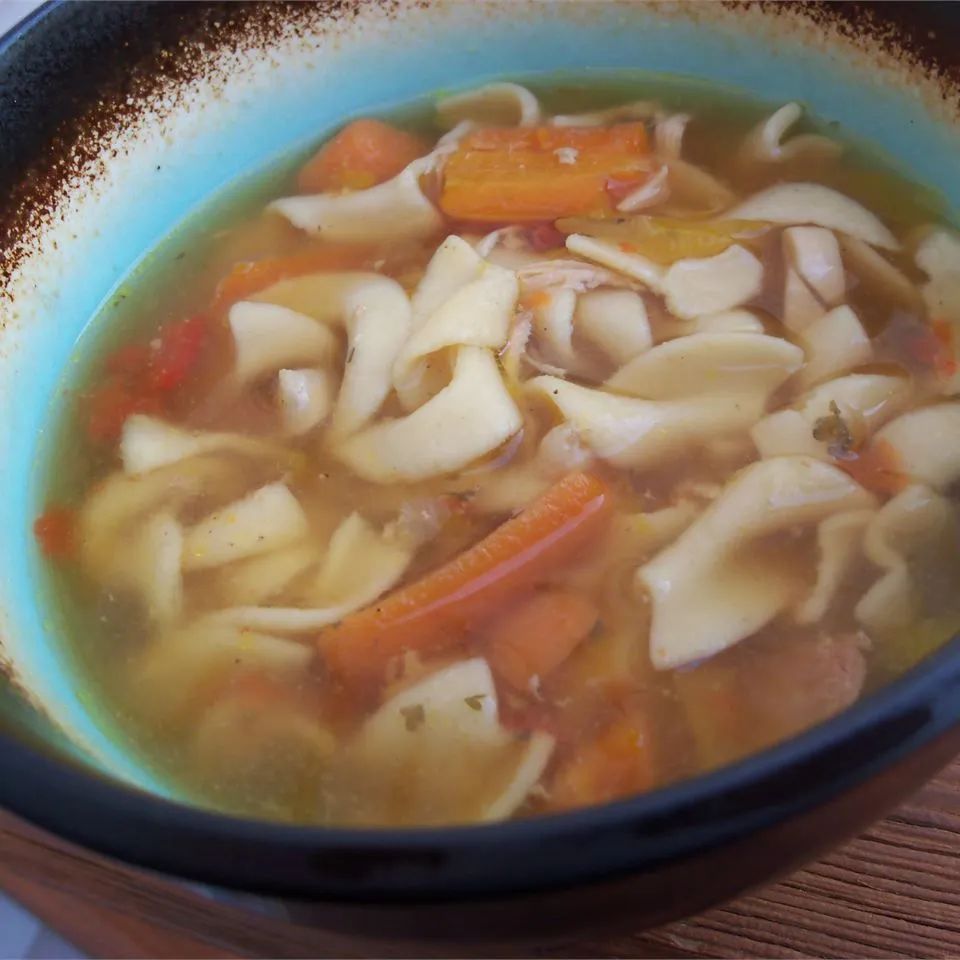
{"x":835,"y":432}
{"x":475,"y":702}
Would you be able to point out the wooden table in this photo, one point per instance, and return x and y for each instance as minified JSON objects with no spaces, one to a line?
{"x":894,"y":892}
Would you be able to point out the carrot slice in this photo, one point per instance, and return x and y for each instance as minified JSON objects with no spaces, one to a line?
{"x":534,"y":637}
{"x":520,"y":174}
{"x":249,"y":276}
{"x":618,"y":762}
{"x":364,"y":153}
{"x":434,"y":612}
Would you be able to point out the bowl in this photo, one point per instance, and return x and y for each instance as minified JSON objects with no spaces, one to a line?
{"x":117,"y":120}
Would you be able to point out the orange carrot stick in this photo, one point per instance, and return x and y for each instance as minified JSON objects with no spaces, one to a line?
{"x":534,"y":637}
{"x":249,"y":276}
{"x":434,"y":612}
{"x":364,"y":153}
{"x":541,"y":173}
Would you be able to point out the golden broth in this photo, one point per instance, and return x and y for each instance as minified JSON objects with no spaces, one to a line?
{"x":268,"y":727}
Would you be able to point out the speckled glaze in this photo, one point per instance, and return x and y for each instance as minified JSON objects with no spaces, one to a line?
{"x":116,"y":121}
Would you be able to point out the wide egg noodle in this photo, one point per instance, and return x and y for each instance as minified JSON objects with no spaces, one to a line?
{"x":878,"y":275}
{"x":376,"y":313}
{"x":360,"y":564}
{"x":798,"y":203}
{"x":499,"y":104}
{"x":149,"y":443}
{"x":304,"y":398}
{"x":638,"y":434}
{"x":908,"y":538}
{"x":437,"y":753}
{"x":476,"y":312}
{"x":615,"y":321}
{"x":709,"y":589}
{"x":120,"y":503}
{"x":611,"y":255}
{"x":801,"y":306}
{"x":815,"y":255}
{"x":395,"y":210}
{"x":264,"y":520}
{"x":695,"y":191}
{"x":269,"y":336}
{"x":835,"y":344}
{"x":156,"y":568}
{"x":715,"y":363}
{"x":926,"y":444}
{"x":938,"y":256}
{"x":553,"y":316}
{"x":256,"y":579}
{"x":766,"y":143}
{"x":696,"y":286}
{"x":470,"y":417}
{"x":724,"y":321}
{"x":453,"y":265}
{"x":839,"y":543}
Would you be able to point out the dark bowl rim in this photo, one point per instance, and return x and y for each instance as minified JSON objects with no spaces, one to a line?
{"x":202,"y":845}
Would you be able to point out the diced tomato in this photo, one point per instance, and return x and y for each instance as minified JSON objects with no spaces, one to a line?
{"x":111,"y":403}
{"x":181,"y":344}
{"x":54,"y":530}
{"x":141,"y":376}
{"x":129,"y":360}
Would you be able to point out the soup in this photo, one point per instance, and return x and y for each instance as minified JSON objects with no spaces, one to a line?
{"x":517,"y":454}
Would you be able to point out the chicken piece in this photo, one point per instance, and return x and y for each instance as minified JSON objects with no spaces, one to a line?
{"x":760,"y":694}
{"x":794,"y":685}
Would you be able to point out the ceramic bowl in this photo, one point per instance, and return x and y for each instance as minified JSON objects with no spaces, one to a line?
{"x":116,"y":121}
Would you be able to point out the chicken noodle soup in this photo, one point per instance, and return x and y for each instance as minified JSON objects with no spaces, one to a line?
{"x":528,"y":455}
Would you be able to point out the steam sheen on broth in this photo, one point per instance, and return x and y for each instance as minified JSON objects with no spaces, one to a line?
{"x":519,"y":457}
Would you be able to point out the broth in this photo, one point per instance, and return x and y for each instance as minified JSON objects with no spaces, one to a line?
{"x":523,"y":452}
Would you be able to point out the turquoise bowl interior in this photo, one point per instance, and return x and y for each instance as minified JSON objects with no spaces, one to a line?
{"x":249,"y":106}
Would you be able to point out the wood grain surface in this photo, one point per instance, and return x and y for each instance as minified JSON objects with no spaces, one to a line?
{"x":894,"y":892}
